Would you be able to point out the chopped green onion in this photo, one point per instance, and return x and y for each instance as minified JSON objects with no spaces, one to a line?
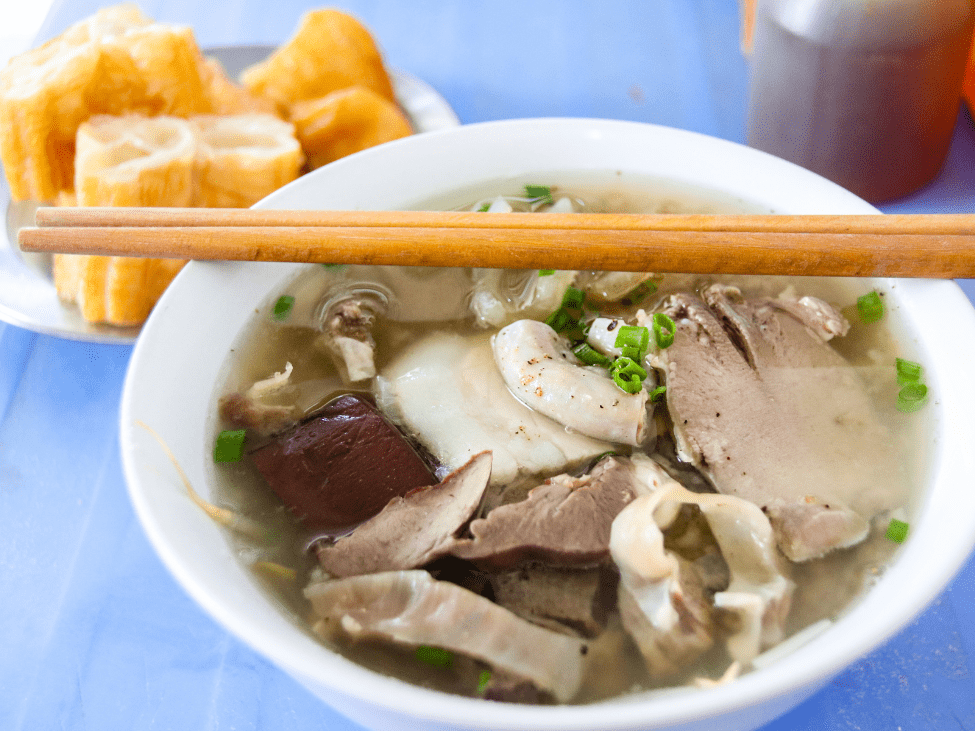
{"x":912,"y":397}
{"x":541,"y":193}
{"x":590,"y":356}
{"x":639,"y":293}
{"x":657,"y":394}
{"x":897,"y":530}
{"x":333,"y":266}
{"x":628,"y":374}
{"x":435,"y":656}
{"x":484,"y":208}
{"x":599,"y":457}
{"x":870,"y":307}
{"x":634,"y":340}
{"x":573,"y":299}
{"x":908,"y":371}
{"x":560,"y":321}
{"x":545,"y":273}
{"x":482,"y":681}
{"x":282,"y":308}
{"x":628,"y":384}
{"x":663,"y":330}
{"x":230,"y":445}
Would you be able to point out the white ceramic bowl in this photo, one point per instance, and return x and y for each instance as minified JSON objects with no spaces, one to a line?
{"x":177,"y":367}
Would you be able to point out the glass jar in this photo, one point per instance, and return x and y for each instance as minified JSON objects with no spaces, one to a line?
{"x":863,"y":92}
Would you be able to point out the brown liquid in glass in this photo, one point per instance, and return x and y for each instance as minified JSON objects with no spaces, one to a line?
{"x":876,"y":120}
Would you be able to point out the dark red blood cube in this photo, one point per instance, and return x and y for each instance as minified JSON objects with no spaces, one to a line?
{"x":341,"y":466}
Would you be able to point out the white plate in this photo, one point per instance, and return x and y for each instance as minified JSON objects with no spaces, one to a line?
{"x":27,"y":295}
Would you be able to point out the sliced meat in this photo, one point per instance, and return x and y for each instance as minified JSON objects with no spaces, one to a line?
{"x":412,"y":529}
{"x":446,"y":390}
{"x":540,"y":368}
{"x":564,"y":521}
{"x":341,"y":465}
{"x":574,"y":601}
{"x":765,"y":407}
{"x":412,"y":608}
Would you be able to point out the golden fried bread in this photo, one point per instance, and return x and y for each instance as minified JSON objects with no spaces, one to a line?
{"x":346,"y":121}
{"x":330,"y":50}
{"x":127,"y":160}
{"x":242,"y":158}
{"x":113,"y":289}
{"x":133,"y":160}
{"x":114,"y":62}
{"x":44,"y":95}
{"x":226,"y":97}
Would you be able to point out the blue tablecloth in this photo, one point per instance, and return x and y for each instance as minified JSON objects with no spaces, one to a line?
{"x":94,"y":633}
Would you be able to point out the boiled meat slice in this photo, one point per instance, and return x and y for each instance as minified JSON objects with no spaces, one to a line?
{"x":446,"y":390}
{"x":770,"y":412}
{"x":410,"y":530}
{"x":412,"y":608}
{"x":574,"y":601}
{"x":564,"y":521}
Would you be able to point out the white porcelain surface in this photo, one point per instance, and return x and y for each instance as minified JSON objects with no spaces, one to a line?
{"x":177,"y":366}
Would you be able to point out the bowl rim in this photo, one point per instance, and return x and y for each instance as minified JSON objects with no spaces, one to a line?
{"x":855,"y":634}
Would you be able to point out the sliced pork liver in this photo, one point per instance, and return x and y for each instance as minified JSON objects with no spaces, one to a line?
{"x":564,"y":521}
{"x":574,"y":601}
{"x":411,"y":530}
{"x":765,"y":407}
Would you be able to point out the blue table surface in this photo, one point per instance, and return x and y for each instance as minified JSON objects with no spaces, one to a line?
{"x":95,"y":634}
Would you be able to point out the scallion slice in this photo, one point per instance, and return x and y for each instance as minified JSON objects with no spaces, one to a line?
{"x":590,"y":356}
{"x":657,"y":394}
{"x":897,"y":530}
{"x":482,"y":681}
{"x":908,"y":371}
{"x":560,"y":320}
{"x":871,"y":307}
{"x":230,"y":445}
{"x":573,"y":299}
{"x":282,"y":308}
{"x":663,"y":330}
{"x":546,"y":272}
{"x":634,"y":338}
{"x":912,"y":397}
{"x":628,"y":374}
{"x":333,"y":266}
{"x":435,"y":656}
{"x":484,"y":208}
{"x":539,"y":193}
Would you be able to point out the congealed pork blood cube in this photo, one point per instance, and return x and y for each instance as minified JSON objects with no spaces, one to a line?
{"x":341,"y":465}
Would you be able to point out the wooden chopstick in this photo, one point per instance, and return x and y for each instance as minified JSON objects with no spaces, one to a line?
{"x":938,"y":246}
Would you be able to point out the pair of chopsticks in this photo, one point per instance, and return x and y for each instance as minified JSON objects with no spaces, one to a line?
{"x":937,"y":246}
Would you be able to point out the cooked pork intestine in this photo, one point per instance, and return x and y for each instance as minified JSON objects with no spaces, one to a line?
{"x":656,"y":579}
{"x":413,"y":608}
{"x":539,"y":367}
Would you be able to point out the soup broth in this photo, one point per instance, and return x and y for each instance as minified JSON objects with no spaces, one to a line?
{"x":412,"y":317}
